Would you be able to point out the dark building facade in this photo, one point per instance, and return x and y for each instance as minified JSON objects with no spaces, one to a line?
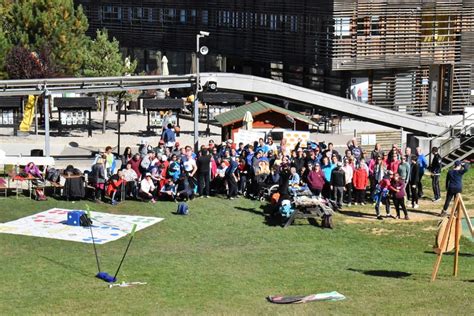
{"x":414,"y":56}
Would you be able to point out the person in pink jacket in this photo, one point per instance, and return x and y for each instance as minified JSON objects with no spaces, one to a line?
{"x":316,"y":179}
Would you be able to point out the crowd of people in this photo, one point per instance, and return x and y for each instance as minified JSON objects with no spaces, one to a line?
{"x":174,"y":172}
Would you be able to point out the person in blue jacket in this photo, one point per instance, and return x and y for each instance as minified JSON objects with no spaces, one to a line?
{"x":423,"y":162}
{"x":454,"y":183}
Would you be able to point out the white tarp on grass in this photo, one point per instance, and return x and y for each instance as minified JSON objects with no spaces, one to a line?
{"x":52,"y":224}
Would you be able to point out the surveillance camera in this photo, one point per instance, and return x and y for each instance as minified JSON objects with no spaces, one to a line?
{"x":204,"y":33}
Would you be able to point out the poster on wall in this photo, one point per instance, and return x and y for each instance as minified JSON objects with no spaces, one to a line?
{"x":360,"y":89}
{"x":293,"y":136}
{"x":368,"y":139}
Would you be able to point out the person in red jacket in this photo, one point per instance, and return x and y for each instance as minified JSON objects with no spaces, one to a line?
{"x":393,"y":165}
{"x":114,"y":187}
{"x":135,"y":164}
{"x":316,"y":179}
{"x":382,"y":195}
{"x":360,"y":180}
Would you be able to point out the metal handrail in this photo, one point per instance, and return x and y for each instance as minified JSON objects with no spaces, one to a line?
{"x":450,"y":130}
{"x":460,"y":145}
{"x":451,"y":127}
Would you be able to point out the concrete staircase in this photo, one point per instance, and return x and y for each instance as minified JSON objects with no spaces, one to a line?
{"x":465,"y":151}
{"x":458,"y":142}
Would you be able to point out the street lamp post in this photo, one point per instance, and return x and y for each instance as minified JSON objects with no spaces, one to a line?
{"x":47,"y":145}
{"x":199,"y":50}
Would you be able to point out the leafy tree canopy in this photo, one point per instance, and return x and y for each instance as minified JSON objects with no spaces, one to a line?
{"x":57,"y":24}
{"x":104,"y":58}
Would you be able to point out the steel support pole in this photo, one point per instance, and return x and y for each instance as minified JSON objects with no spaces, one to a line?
{"x":196,"y":101}
{"x":47,"y":146}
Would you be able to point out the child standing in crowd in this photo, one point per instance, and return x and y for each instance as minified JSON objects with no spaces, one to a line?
{"x":398,"y":195}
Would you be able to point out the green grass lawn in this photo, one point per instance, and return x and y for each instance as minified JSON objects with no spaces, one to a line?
{"x":224,"y":259}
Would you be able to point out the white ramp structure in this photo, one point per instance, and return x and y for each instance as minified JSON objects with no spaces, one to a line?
{"x":247,"y":84}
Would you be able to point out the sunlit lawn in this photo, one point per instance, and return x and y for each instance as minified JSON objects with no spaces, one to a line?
{"x":225,"y":259}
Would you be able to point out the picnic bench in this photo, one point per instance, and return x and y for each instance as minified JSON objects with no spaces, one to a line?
{"x":311,"y":207}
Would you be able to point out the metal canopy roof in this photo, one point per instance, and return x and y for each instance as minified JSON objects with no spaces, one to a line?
{"x":221,"y":97}
{"x":76,"y":103}
{"x":256,"y":108}
{"x":163,"y":104}
{"x":94,"y":85}
{"x":10,"y":102}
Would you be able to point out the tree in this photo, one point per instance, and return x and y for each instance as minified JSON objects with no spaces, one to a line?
{"x":5,"y":44}
{"x":51,"y":23}
{"x":104,"y":59}
{"x":24,"y":64}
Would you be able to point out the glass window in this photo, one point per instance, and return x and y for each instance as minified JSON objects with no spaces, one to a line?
{"x":342,"y":27}
{"x":294,"y":23}
{"x":169,"y":15}
{"x":273,"y":22}
{"x":182,"y":16}
{"x":205,"y":17}
{"x":111,"y":13}
{"x":375,"y":25}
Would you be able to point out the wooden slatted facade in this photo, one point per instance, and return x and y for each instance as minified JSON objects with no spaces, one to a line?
{"x":406,"y":49}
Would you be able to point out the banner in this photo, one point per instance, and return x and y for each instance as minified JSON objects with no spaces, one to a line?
{"x":293,"y":136}
{"x":247,"y":137}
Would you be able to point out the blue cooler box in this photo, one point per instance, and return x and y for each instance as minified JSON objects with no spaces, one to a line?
{"x":74,"y":218}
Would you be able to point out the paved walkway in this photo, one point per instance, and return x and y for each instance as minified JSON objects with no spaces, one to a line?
{"x":133,"y":132}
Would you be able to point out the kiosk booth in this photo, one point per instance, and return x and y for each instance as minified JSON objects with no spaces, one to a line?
{"x":10,"y":109}
{"x":160,"y":112}
{"x":75,"y":113}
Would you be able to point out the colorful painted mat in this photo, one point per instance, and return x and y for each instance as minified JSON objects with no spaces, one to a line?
{"x":52,"y":224}
{"x":331,"y":296}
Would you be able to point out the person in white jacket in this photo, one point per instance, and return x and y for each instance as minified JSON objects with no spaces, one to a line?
{"x":147,"y":188}
{"x":349,"y":171}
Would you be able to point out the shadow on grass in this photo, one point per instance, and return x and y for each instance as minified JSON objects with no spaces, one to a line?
{"x":251,"y":210}
{"x":70,"y":268}
{"x":272,"y":218}
{"x":357,"y":214}
{"x":383,"y":273}
{"x":461,"y":254}
{"x":417,"y":211}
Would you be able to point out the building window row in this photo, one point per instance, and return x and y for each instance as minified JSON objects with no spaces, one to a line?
{"x":223,"y":18}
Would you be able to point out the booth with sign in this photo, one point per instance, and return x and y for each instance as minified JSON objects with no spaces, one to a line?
{"x":75,"y":113}
{"x":10,"y":109}
{"x":161,"y":112}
